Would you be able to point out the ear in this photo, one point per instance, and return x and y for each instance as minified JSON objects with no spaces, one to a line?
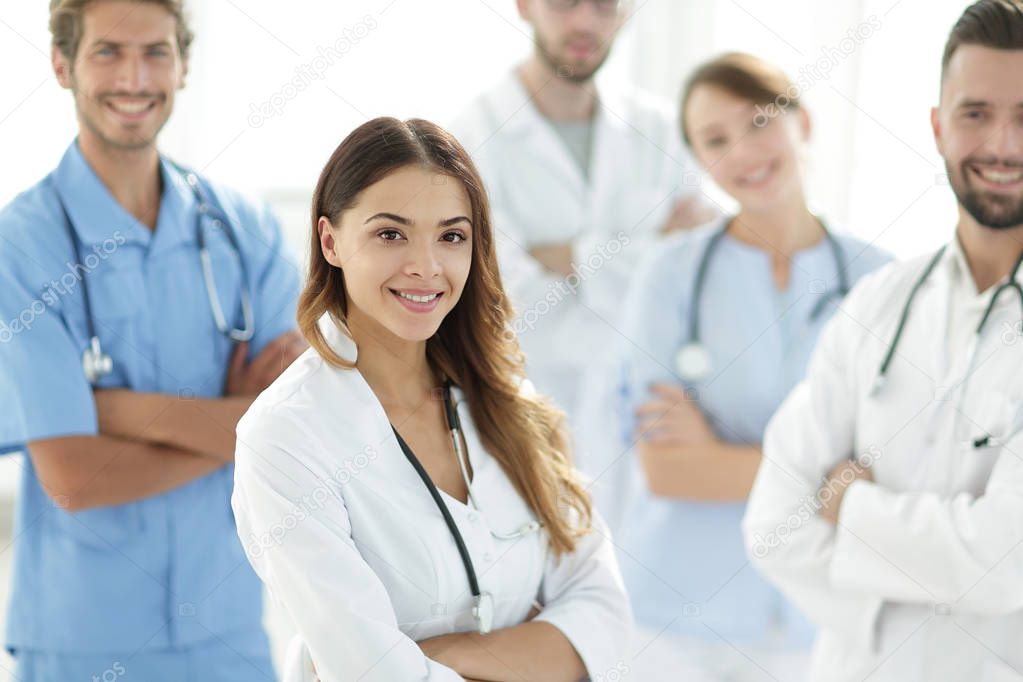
{"x":936,"y":129}
{"x":805,"y":124}
{"x":523,"y":7}
{"x":184,"y":74}
{"x":61,"y":67}
{"x":328,"y":244}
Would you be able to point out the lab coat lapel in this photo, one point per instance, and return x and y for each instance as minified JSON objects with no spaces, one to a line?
{"x":514,"y":108}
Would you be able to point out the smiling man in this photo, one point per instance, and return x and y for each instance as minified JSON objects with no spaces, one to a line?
{"x":142,"y":308}
{"x":580,"y":181}
{"x":909,"y":557}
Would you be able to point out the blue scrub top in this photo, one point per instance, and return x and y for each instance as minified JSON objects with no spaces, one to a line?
{"x":169,"y":570}
{"x":684,"y":562}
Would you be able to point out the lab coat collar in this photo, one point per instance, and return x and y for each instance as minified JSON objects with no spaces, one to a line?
{"x":954,"y":262}
{"x":338,"y":339}
{"x":516,"y":115}
{"x":97,"y":216}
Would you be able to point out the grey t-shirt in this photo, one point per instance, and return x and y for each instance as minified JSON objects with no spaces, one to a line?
{"x":578,"y":137}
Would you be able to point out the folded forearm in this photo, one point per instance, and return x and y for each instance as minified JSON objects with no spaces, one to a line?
{"x":82,"y":472}
{"x":535,"y":651}
{"x":202,"y":425}
{"x":716,"y":472}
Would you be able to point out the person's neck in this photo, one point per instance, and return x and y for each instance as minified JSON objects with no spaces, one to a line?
{"x":396,"y":370}
{"x":131,"y":175}
{"x":557,"y":98}
{"x":991,"y":254}
{"x":782,"y":231}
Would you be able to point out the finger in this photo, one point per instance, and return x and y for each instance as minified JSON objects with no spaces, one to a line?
{"x":238,"y":355}
{"x":270,"y":356}
{"x":653,"y":407}
{"x":668,"y":390}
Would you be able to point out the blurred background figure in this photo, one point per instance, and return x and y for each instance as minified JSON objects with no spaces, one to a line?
{"x":581,"y":180}
{"x":721,"y":322}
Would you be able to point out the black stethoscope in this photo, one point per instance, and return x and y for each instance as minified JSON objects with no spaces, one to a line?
{"x":97,"y":364}
{"x":882,"y":376}
{"x":693,"y":361}
{"x":483,"y":602}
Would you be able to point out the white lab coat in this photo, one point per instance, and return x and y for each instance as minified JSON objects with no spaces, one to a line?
{"x":923,"y":577}
{"x":538,"y":195}
{"x":345,"y":535}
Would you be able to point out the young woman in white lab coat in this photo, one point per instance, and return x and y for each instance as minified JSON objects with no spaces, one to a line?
{"x":349,"y":464}
{"x":721,"y":323}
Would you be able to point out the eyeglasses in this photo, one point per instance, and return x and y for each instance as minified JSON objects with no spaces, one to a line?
{"x":603,"y":6}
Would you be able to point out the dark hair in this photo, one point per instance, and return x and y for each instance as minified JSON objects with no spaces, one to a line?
{"x":996,"y":24}
{"x":66,"y":24}
{"x":475,"y":345}
{"x":745,"y":76}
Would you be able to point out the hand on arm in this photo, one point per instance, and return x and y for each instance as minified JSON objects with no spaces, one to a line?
{"x":832,"y":492}
{"x":205,"y":426}
{"x":555,"y":258}
{"x":683,"y":457}
{"x":687,"y":213}
{"x":530,"y":651}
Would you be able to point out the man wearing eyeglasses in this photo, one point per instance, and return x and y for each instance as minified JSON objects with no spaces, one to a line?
{"x":580,"y":182}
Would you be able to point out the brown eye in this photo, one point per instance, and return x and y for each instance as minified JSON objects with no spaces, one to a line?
{"x":389,"y":235}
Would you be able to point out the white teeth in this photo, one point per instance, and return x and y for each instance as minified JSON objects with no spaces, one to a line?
{"x":417,"y":299}
{"x":1001,"y":177}
{"x":134,"y":108}
{"x":759,"y":176}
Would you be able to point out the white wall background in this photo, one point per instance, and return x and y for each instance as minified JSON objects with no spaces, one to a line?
{"x":873,"y":168}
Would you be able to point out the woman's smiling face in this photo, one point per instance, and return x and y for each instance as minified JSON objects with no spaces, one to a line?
{"x":405,"y":249}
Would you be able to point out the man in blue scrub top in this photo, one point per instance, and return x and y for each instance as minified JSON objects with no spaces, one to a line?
{"x":127,"y":561}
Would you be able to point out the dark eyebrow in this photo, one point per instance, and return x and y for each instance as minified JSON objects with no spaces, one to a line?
{"x":454,"y":221}
{"x":102,"y":42}
{"x":389,"y":216}
{"x":971,"y":103}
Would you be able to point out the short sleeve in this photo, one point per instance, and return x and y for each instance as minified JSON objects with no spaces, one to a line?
{"x":40,"y":368}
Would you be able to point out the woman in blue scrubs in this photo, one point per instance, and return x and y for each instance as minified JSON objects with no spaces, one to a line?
{"x":721,"y":322}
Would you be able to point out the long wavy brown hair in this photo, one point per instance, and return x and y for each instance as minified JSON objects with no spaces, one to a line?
{"x":474,"y":345}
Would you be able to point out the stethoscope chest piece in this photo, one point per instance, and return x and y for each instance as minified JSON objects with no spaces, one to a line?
{"x":483,"y":612}
{"x":693,"y":362}
{"x":95,"y":363}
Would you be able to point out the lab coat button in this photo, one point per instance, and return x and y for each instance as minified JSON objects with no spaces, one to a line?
{"x":472,"y":517}
{"x":488,"y":557}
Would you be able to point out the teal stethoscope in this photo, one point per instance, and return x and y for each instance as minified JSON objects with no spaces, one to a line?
{"x":97,"y":364}
{"x":1010,"y":284}
{"x":483,"y":602}
{"x":693,"y":361}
